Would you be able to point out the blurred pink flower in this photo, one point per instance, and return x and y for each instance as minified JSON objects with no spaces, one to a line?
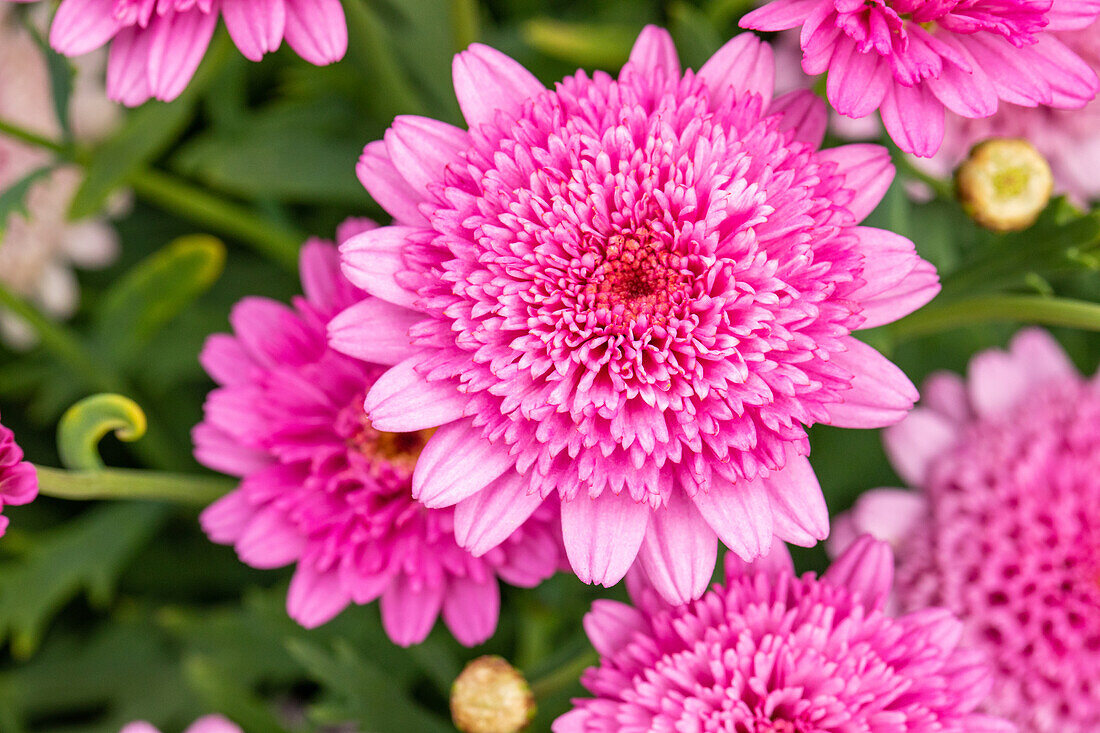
{"x":156,"y":45}
{"x":1004,"y":529}
{"x":1069,"y":140}
{"x":911,"y":59}
{"x":18,"y":478}
{"x":206,"y":724}
{"x":41,"y":247}
{"x":771,"y":652}
{"x":632,"y":294}
{"x":326,"y":489}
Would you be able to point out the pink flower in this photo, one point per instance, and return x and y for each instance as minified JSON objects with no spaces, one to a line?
{"x":156,"y":45}
{"x":1069,"y":140}
{"x":18,"y":479}
{"x":632,"y":294}
{"x":206,"y":724}
{"x":1004,"y":530}
{"x":326,"y":489}
{"x":772,"y":652}
{"x":910,"y":59}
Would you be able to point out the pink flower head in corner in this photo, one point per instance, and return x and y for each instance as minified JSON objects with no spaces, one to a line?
{"x":156,"y":45}
{"x":206,"y":724}
{"x":911,"y":59}
{"x":18,"y":478}
{"x":772,"y":652}
{"x":324,"y":488}
{"x":632,"y":294}
{"x":1004,"y":529}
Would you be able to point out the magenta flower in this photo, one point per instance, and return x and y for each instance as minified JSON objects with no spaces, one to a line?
{"x":1004,"y":530}
{"x":911,"y":59}
{"x":205,"y":724}
{"x":156,"y":45}
{"x":772,"y":652}
{"x":632,"y":294}
{"x":326,"y":489}
{"x":1069,"y":140}
{"x":18,"y":478}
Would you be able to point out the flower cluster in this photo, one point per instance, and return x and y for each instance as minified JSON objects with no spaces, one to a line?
{"x":205,"y":724}
{"x":774,"y":652}
{"x":1003,"y":530}
{"x":325,"y":488}
{"x":18,"y":478}
{"x":912,"y":59}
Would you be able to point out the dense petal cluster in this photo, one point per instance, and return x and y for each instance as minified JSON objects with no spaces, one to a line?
{"x":911,"y":59}
{"x":326,"y":489}
{"x":1069,"y":140}
{"x":772,"y":652}
{"x":1004,"y":530}
{"x":205,"y":724}
{"x":18,"y":479}
{"x":156,"y":45}
{"x":633,"y":294}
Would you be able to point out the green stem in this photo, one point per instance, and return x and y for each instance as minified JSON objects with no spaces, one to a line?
{"x":178,"y":197}
{"x":130,"y":483}
{"x":991,"y":308}
{"x":944,"y":189}
{"x":32,"y":138}
{"x":564,"y":676}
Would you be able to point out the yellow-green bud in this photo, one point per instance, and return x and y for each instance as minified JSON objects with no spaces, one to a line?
{"x":491,"y":696}
{"x":1004,"y":184}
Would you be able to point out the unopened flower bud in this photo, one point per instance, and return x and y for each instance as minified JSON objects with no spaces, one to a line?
{"x":491,"y":696}
{"x":1004,"y":184}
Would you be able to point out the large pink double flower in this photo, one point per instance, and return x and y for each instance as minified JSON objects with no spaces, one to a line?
{"x":632,"y":294}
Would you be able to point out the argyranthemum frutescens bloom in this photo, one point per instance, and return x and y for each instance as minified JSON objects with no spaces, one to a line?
{"x":18,"y":479}
{"x":205,"y":724}
{"x":324,"y":488}
{"x":632,"y":294}
{"x":1004,"y":529}
{"x":911,"y":59}
{"x":772,"y":652}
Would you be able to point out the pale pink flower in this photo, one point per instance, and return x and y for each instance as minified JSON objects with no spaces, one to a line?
{"x":1004,"y":529}
{"x":634,"y":295}
{"x":156,"y":45}
{"x":205,"y":724}
{"x":772,"y":652}
{"x":1069,"y":140}
{"x":324,"y":488}
{"x":911,"y":59}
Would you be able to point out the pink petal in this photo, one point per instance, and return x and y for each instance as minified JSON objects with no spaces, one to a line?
{"x":679,"y":550}
{"x":389,"y":188}
{"x":779,"y":15}
{"x":139,"y":726}
{"x":575,"y":721}
{"x":969,"y":93}
{"x":421,"y":149}
{"x":213,"y":724}
{"x":127,"y":61}
{"x":82,"y":26}
{"x":353,"y":225}
{"x":997,"y":383}
{"x":226,"y":519}
{"x":866,"y":568}
{"x":886,"y":514}
{"x":654,"y":54}
{"x":221,"y":452}
{"x":887,"y":259}
{"x":857,"y":81}
{"x":917,"y":289}
{"x":1066,"y":15}
{"x":19,"y":484}
{"x":914,"y":118}
{"x":918,"y":440}
{"x":745,"y":65}
{"x":777,"y":562}
{"x":317,"y":30}
{"x":867,"y":172}
{"x":945,"y":392}
{"x":1041,"y":356}
{"x":490,"y":516}
{"x":740,"y":514}
{"x":805,"y":113}
{"x":272,"y":333}
{"x":880,"y":395}
{"x":471,"y":608}
{"x":402,"y":401}
{"x":486,"y":82}
{"x":371,"y":261}
{"x":315,"y":597}
{"x":1072,"y":81}
{"x":603,"y":535}
{"x":374,"y":330}
{"x":457,"y":462}
{"x":256,"y":26}
{"x":179,"y":42}
{"x":322,"y":283}
{"x":797,"y":503}
{"x":270,"y":541}
{"x":409,"y":609}
{"x":610,"y":625}
{"x":1014,"y":82}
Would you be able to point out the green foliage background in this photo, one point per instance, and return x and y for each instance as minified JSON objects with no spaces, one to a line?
{"x":121,"y":610}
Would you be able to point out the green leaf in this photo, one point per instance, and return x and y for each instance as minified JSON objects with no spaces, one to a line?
{"x":61,"y":80}
{"x":87,"y":554}
{"x":13,"y":200}
{"x":154,"y":292}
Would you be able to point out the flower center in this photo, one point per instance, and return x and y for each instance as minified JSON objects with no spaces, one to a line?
{"x":396,"y":450}
{"x":638,"y":276}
